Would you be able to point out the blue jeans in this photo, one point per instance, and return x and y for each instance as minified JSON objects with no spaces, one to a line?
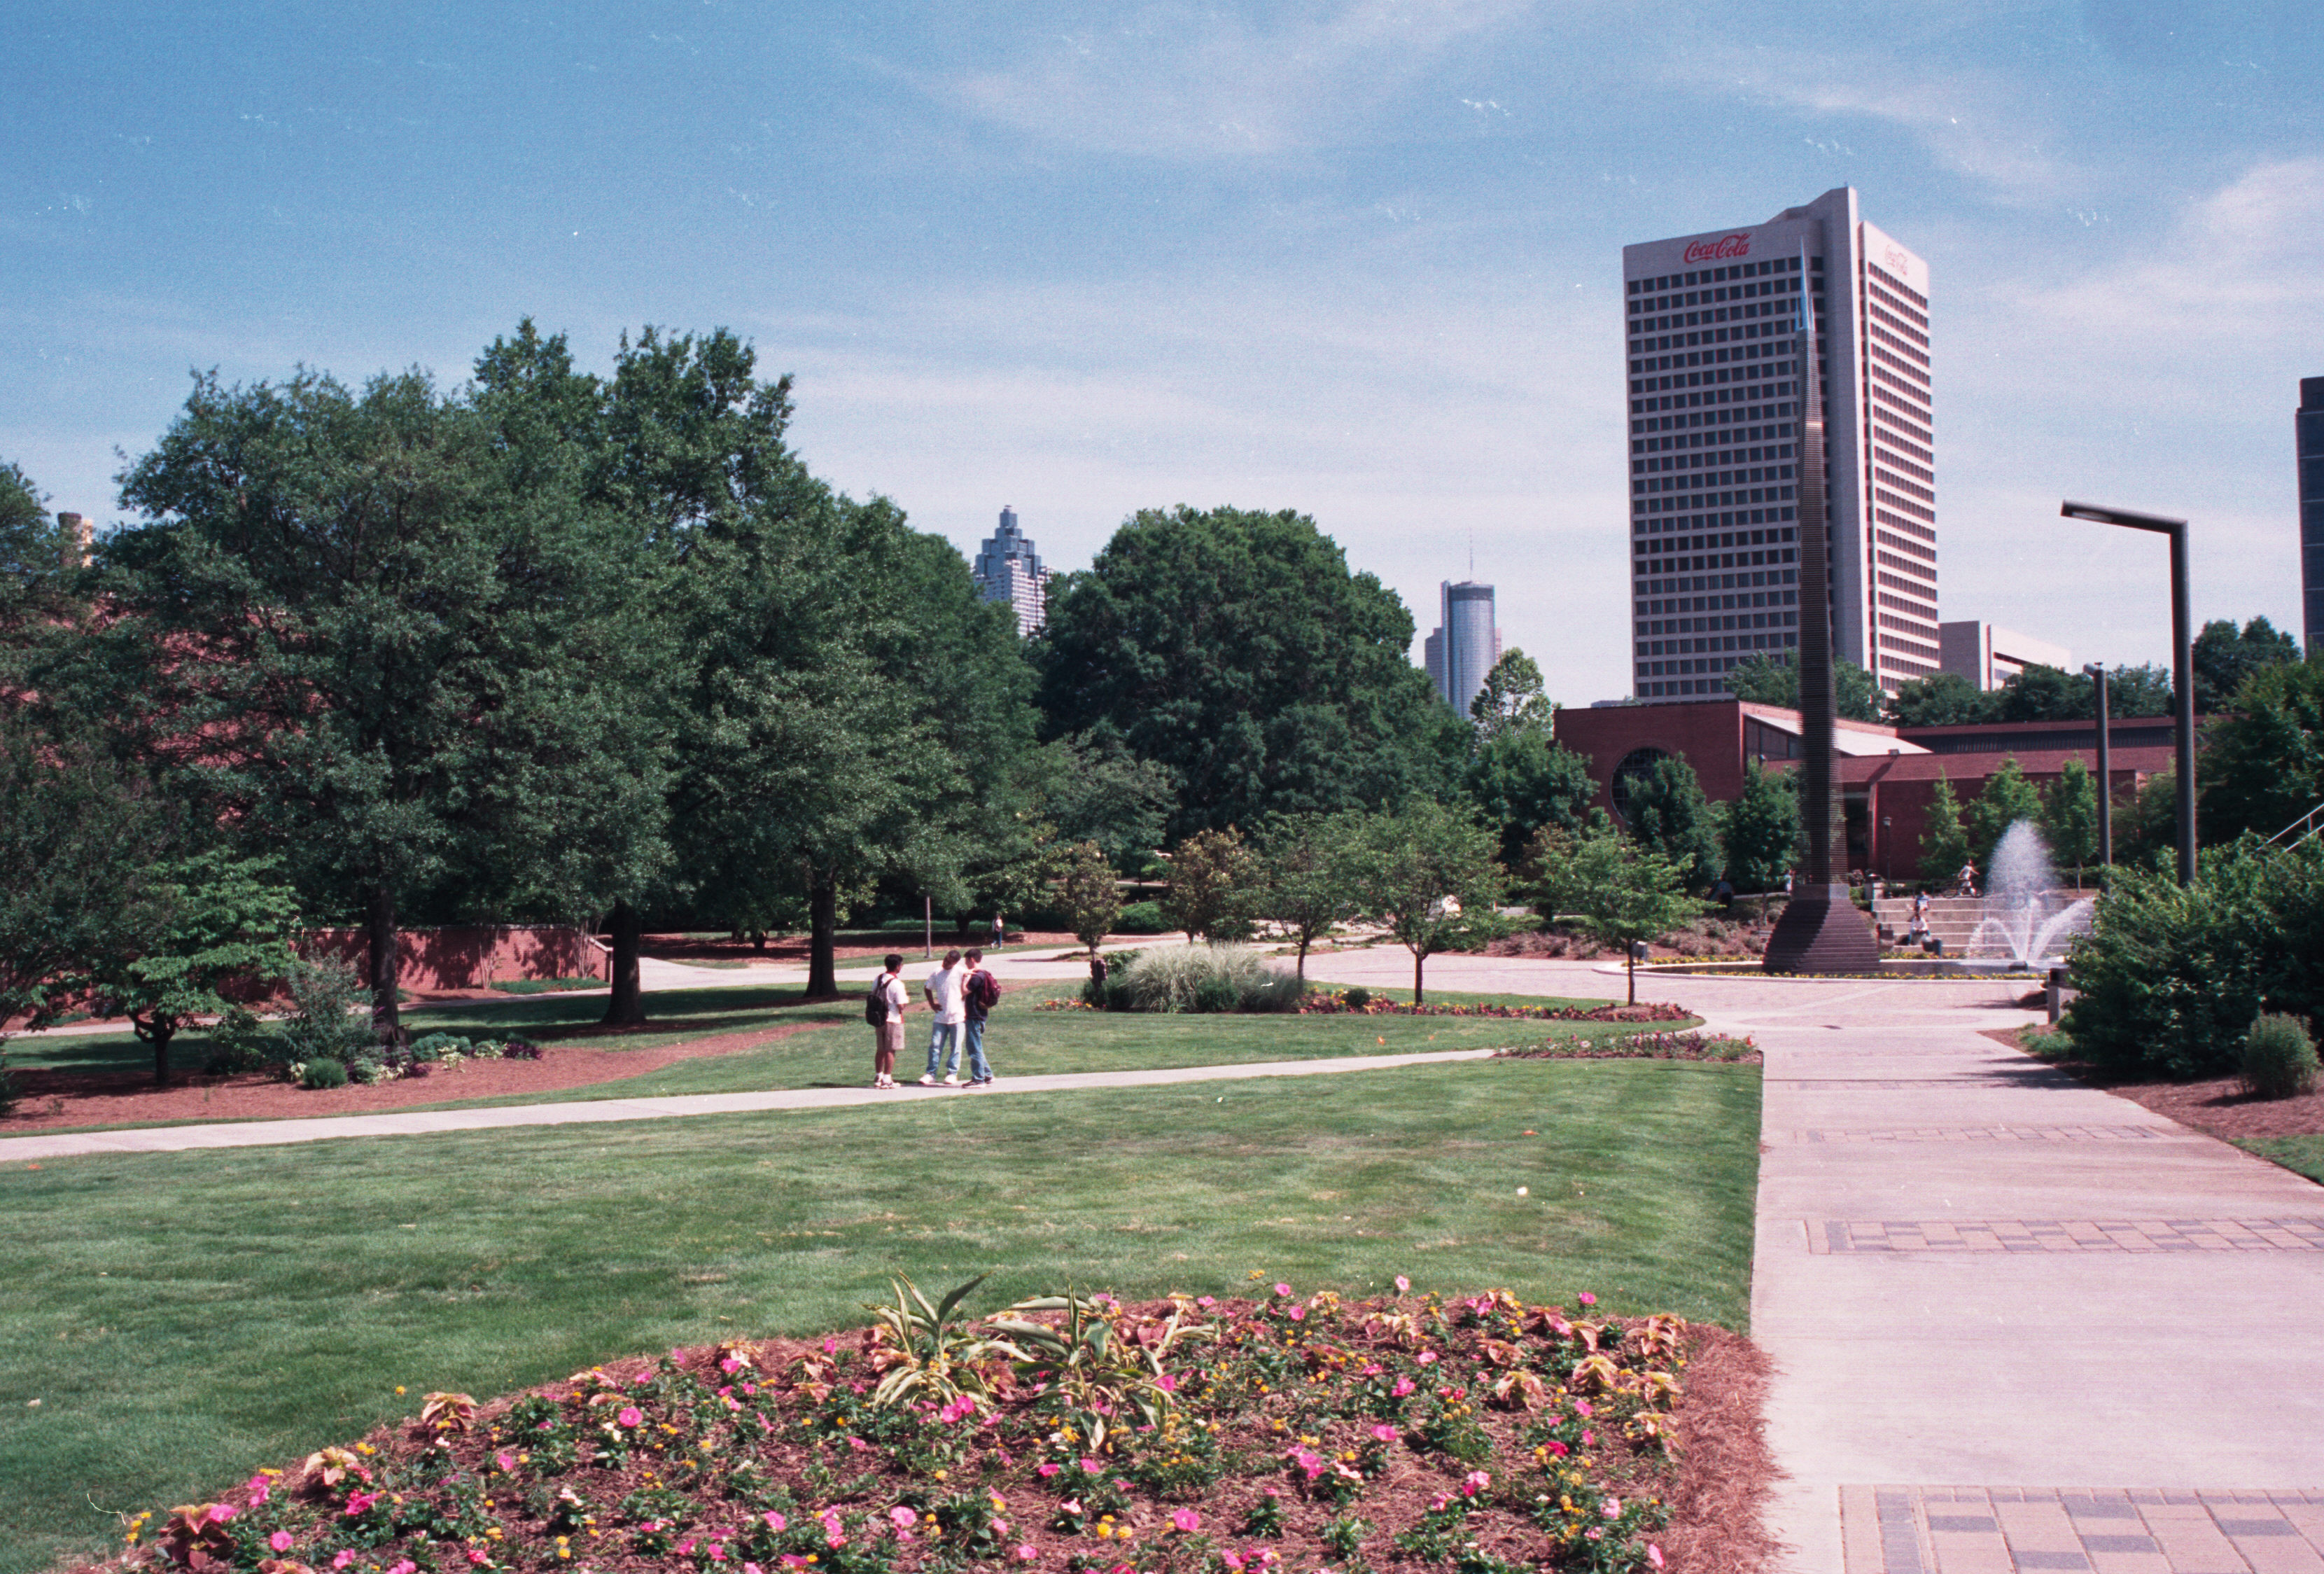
{"x":978,"y":1070}
{"x":944,"y":1037}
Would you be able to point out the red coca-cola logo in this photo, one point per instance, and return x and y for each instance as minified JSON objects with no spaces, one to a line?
{"x":1725,"y":247}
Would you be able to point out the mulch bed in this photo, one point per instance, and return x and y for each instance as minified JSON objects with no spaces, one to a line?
{"x":2216,"y":1105}
{"x":1473,"y":1430}
{"x":679,"y":947}
{"x":120,"y":1098}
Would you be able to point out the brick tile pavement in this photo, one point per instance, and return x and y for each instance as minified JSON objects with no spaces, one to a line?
{"x":2296,"y":1234}
{"x":1995,"y":1134}
{"x":2001,"y":1530}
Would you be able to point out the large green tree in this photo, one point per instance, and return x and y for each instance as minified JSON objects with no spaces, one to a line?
{"x":210,"y":920}
{"x":1237,"y":650}
{"x":1763,"y":681}
{"x":1622,"y":892}
{"x":1668,"y":813}
{"x":1945,"y":844}
{"x":1760,"y":832}
{"x":1307,"y":876}
{"x":2224,"y":657}
{"x":2070,"y":817}
{"x":2263,"y":763}
{"x":1513,"y":698}
{"x":2007,"y":798}
{"x":362,"y":630}
{"x":1522,"y":780}
{"x":1426,"y":873}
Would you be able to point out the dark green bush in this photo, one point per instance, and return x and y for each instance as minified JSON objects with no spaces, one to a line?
{"x":1217,"y":995}
{"x":2171,"y":977}
{"x":240,"y":1042}
{"x":325,"y":1073}
{"x":1358,"y":997}
{"x":2279,"y":1058}
{"x":1142,"y":918}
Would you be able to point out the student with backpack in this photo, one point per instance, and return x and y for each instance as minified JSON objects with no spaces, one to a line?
{"x":980,"y":992}
{"x":883,"y":1008}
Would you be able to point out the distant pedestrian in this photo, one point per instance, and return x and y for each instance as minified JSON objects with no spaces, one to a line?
{"x":980,"y":992}
{"x":1965,"y":883}
{"x":885,"y":1008}
{"x":999,"y":933}
{"x":943,"y":992}
{"x":1920,"y":915}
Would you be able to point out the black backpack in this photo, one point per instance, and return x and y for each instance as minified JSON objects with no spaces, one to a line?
{"x":875,"y":1005}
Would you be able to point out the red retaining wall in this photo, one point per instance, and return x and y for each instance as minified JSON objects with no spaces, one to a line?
{"x":468,"y":955}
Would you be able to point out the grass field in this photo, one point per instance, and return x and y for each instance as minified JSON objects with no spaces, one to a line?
{"x":185,"y":1317}
{"x":835,"y":1051}
{"x":2303,"y":1155}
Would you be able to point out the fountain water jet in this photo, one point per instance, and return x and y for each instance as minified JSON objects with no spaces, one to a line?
{"x":2022,"y":912}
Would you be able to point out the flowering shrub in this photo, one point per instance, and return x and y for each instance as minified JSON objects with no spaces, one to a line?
{"x":1643,"y":1046}
{"x":1480,"y":1433}
{"x":1345,"y":1002}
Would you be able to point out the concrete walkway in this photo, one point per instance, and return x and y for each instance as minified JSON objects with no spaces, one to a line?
{"x":256,"y":1133}
{"x":2022,"y":1324}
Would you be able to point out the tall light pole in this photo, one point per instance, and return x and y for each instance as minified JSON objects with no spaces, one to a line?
{"x":2182,"y":658}
{"x":2097,"y":674}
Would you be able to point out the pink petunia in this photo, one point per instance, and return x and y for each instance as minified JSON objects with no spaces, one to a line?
{"x":346,"y":1558}
{"x":1283,"y":1290}
{"x":477,"y":1558}
{"x":220,"y":1512}
{"x":1653,"y":1554}
{"x":1558,"y":1448}
{"x":795,"y":1561}
{"x":1586,"y":1299}
{"x":1593,"y":1534}
{"x":904,"y":1518}
{"x":1298,"y":1314}
{"x":1582,"y":1407}
{"x":630,"y":1415}
{"x":859,"y":1445}
{"x":1028,"y":1553}
{"x":775,"y":1522}
{"x":506,"y":1461}
{"x":1612,"y":1508}
{"x":360,"y":1503}
{"x":1589,"y":1440}
{"x":1384,"y":1432}
{"x":1404,"y":1385}
{"x":1475,"y":1482}
{"x":686,"y":1548}
{"x":403,"y":1565}
{"x":1047,"y":1469}
{"x":1166,"y":1383}
{"x":1187,"y":1520}
{"x":1205,"y":1301}
{"x":1402,"y":1286}
{"x":1091,"y":1467}
{"x":281,"y":1540}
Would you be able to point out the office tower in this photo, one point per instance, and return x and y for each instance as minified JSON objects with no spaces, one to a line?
{"x":1008,"y":569}
{"x":2309,"y":424}
{"x":1714,"y":352}
{"x":1465,"y":646}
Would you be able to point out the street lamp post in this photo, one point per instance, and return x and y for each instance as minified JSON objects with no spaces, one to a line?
{"x":2098,"y":673}
{"x":2182,"y":658}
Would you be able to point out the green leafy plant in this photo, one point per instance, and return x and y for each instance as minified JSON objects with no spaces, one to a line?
{"x":1206,"y":978}
{"x":1092,"y":1369}
{"x":1343,"y":1535}
{"x":2279,"y":1058}
{"x":923,"y":1354}
{"x":323,"y":1072}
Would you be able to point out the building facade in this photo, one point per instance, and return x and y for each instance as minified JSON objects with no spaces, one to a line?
{"x":2308,"y":424}
{"x":1989,"y":657}
{"x":1008,"y":570}
{"x":1466,"y":643}
{"x":1714,"y":347}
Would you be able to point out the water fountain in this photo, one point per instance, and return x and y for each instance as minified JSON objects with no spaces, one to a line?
{"x":2024,"y":915}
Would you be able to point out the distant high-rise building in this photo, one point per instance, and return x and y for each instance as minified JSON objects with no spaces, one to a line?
{"x":2309,"y":424}
{"x":1990,"y":657}
{"x":1465,"y":646}
{"x":1714,"y":352}
{"x":1008,"y":569}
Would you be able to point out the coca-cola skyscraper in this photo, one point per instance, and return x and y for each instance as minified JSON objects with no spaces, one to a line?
{"x":1714,"y":351}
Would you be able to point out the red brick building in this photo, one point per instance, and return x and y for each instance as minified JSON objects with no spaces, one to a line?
{"x":1887,"y":775}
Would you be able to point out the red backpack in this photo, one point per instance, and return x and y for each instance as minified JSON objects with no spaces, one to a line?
{"x":983,"y":990}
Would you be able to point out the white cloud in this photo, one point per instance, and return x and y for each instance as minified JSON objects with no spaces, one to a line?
{"x":1178,"y":80}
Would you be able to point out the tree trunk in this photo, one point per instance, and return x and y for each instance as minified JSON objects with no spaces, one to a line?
{"x":1630,"y":966}
{"x":1302,"y":962}
{"x":823,"y":937}
{"x":386,"y":964}
{"x":628,"y":1005}
{"x":1418,"y":958}
{"x":158,"y":1032}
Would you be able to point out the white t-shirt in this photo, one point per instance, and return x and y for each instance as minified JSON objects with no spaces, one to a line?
{"x":891,"y":990}
{"x":943,"y":994}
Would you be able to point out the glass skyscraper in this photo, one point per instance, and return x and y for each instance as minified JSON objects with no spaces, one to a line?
{"x":1009,"y":570}
{"x":1713,"y":348}
{"x":1466,"y":643}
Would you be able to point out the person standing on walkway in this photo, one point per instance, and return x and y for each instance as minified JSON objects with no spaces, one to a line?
{"x":943,"y":992}
{"x":888,"y":1035}
{"x":999,"y":933}
{"x":980,"y":992}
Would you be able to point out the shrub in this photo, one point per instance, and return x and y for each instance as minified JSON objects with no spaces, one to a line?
{"x":1143,"y":918}
{"x":1357,"y":997}
{"x":327,"y":1022}
{"x":2279,"y":1058}
{"x":438,"y":1046}
{"x":240,"y":1042}
{"x":1205,"y":977}
{"x":2171,"y":977}
{"x":324,"y":1072}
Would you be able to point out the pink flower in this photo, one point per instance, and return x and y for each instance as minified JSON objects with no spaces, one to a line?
{"x":477,"y":1558}
{"x":1187,"y":1520}
{"x":1205,"y":1301}
{"x":1589,"y":1440}
{"x":1045,"y":1469}
{"x":1593,"y":1534}
{"x":686,"y":1548}
{"x":1426,"y":1357}
{"x":904,"y":1518}
{"x":360,"y":1503}
{"x":1166,"y":1383}
{"x":403,"y":1565}
{"x":1283,"y":1290}
{"x":1586,"y":1299}
{"x":793,"y":1560}
{"x":830,"y":1347}
{"x":730,"y":1365}
{"x":1653,"y":1554}
{"x":1072,"y":1506}
{"x":1298,"y":1314}
{"x":1402,"y":1286}
{"x":775,"y":1522}
{"x":1582,"y":1407}
{"x":1000,"y":1527}
{"x":1027,"y":1553}
{"x":1476,"y":1481}
{"x":1558,"y":1448}
{"x":1091,"y":1467}
{"x":1404,"y":1385}
{"x":281,"y":1540}
{"x":261,"y":1489}
{"x":1384,"y":1432}
{"x":748,"y":1568}
{"x":1310,"y":1463}
{"x":859,"y":1445}
{"x":506,"y":1461}
{"x":1612,"y":1508}
{"x":630,"y":1415}
{"x":718,"y":1551}
{"x":346,"y":1558}
{"x":221,"y":1512}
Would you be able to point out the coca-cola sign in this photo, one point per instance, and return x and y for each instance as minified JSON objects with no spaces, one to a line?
{"x":1719,"y":250}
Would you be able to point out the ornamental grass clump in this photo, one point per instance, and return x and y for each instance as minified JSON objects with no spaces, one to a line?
{"x":1223,"y":977}
{"x":2279,"y":1058}
{"x":1184,"y":1436}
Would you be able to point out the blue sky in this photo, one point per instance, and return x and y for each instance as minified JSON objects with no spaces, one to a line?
{"x":1353,"y":257}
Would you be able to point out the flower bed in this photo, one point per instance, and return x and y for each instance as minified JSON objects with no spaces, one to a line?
{"x":1362,"y":1002}
{"x":1643,"y":1046}
{"x":1088,"y":1437}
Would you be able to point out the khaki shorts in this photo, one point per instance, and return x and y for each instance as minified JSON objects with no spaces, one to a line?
{"x":891,"y":1038}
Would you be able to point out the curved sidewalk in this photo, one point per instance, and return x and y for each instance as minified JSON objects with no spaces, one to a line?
{"x":255,"y":1134}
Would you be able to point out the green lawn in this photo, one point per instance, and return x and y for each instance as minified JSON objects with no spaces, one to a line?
{"x":836,"y":1052}
{"x":184,"y":1318}
{"x":2302,"y":1155}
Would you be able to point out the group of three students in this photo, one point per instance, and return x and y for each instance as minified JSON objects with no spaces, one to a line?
{"x":962,"y":993}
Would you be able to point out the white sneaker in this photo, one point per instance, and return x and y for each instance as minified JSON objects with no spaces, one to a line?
{"x":952,"y":1081}
{"x":927,"y":1081}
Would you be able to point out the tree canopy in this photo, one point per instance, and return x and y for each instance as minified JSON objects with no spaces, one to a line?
{"x":2224,"y":657}
{"x":1763,"y":681}
{"x":1236,"y":650}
